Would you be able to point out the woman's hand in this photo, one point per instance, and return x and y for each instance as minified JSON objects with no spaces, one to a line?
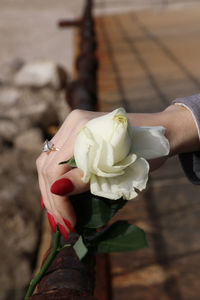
{"x":56,"y":181}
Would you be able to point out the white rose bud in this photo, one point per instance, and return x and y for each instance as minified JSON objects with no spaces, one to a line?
{"x":112,"y":154}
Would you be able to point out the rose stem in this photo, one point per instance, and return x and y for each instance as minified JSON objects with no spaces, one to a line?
{"x":46,"y":264}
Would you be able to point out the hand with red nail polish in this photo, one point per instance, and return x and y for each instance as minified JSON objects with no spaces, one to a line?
{"x":63,"y":231}
{"x":58,"y":181}
{"x":41,"y":202}
{"x":69,"y":226}
{"x":62,"y":187}
{"x":52,"y":221}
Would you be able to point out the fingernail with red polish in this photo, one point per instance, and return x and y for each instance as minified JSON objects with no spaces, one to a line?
{"x":42,"y":203}
{"x":63,"y":231}
{"x":68,"y":224}
{"x":52,"y":222}
{"x":62,"y":187}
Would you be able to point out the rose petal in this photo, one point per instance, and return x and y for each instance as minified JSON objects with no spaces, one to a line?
{"x":135,"y":176}
{"x":103,"y":163}
{"x":103,"y":159}
{"x":149,"y":142}
{"x":112,"y":128}
{"x":120,"y":141}
{"x":83,"y":153}
{"x":122,"y":164}
{"x":104,"y":125}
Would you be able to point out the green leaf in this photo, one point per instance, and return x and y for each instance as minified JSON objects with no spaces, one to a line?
{"x":93,"y":211}
{"x":71,"y":162}
{"x":118,"y":237}
{"x":80,"y":248}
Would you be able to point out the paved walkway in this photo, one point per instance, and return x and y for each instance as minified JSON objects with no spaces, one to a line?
{"x":148,"y":59}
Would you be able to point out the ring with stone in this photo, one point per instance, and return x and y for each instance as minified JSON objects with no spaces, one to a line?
{"x":49,"y":146}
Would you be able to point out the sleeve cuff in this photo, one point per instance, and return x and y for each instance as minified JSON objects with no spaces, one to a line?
{"x":191,"y":166}
{"x":191,"y":161}
{"x":191,"y":103}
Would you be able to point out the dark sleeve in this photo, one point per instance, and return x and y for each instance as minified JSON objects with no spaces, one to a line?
{"x":191,"y":161}
{"x":191,"y":166}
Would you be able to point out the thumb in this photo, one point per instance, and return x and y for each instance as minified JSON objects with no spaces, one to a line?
{"x":70,"y":184}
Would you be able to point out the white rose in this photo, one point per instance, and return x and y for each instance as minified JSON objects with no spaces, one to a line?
{"x":112,"y":154}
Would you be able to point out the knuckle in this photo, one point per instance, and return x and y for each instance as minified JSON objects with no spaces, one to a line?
{"x":76,"y":113}
{"x":79,"y":117}
{"x":39,"y":162}
{"x":79,"y":114}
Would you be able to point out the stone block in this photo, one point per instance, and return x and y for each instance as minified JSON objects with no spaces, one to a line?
{"x":39,"y":74}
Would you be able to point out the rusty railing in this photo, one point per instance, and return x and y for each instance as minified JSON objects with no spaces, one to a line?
{"x":68,"y":277}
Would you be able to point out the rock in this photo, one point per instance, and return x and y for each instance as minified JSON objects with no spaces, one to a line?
{"x":8,"y":97}
{"x":26,"y":115}
{"x":9,"y":69}
{"x":16,"y":64}
{"x":35,"y":108}
{"x":30,"y":141}
{"x":23,"y":124}
{"x":8,"y":130}
{"x":62,"y":107}
{"x":40,"y":114}
{"x":19,"y":223}
{"x":40,"y":74}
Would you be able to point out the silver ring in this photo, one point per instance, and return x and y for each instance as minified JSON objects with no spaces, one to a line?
{"x":49,"y":146}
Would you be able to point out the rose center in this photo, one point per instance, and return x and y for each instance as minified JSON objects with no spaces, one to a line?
{"x":120,"y":119}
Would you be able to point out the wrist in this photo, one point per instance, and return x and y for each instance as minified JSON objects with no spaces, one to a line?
{"x":181,"y":129}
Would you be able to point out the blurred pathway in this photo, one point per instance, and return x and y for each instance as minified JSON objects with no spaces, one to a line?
{"x":146,"y":60}
{"x":29,"y":28}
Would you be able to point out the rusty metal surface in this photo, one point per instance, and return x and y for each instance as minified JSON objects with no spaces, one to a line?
{"x":69,"y":23}
{"x":62,"y":294}
{"x":67,"y":277}
{"x":68,"y":272}
{"x":81,"y":93}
